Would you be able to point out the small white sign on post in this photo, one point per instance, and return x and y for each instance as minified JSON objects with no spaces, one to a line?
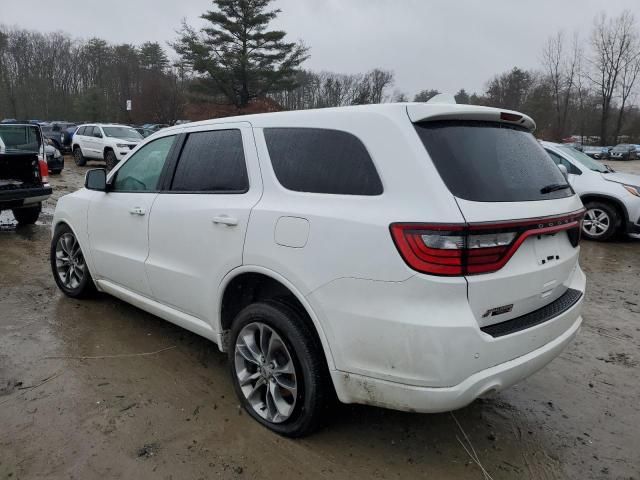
{"x":128,"y":105}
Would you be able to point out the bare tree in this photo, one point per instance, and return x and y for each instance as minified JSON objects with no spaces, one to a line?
{"x":613,"y":41}
{"x":561,"y":69}
{"x":628,"y":78}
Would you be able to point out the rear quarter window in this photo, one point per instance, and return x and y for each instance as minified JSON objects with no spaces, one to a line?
{"x":490,"y":161}
{"x":318,"y":160}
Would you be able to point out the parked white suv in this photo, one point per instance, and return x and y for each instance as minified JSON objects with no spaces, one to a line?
{"x":108,"y":142}
{"x":611,"y":199}
{"x":411,"y":256}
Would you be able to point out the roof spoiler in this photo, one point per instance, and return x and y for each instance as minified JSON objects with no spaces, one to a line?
{"x":440,"y":109}
{"x":443,"y":98}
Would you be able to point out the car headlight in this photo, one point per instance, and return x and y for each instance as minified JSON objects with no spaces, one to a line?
{"x":632,"y":190}
{"x":122,"y":145}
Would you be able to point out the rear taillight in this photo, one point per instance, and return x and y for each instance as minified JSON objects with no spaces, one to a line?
{"x":43,"y":167}
{"x":469,"y":249}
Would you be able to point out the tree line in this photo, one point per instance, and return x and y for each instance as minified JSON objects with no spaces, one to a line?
{"x":55,"y":77}
{"x":582,"y":86}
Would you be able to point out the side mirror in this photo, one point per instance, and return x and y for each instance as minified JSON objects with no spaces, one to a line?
{"x":96,"y":179}
{"x":564,"y":171}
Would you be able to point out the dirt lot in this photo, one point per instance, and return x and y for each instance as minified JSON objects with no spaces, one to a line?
{"x":66,"y":414}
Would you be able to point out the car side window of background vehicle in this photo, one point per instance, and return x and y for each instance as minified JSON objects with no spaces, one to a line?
{"x":142,"y":171}
{"x":558,"y":160}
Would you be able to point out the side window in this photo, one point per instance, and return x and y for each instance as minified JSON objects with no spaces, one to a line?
{"x":558,"y":160}
{"x":321,"y":161}
{"x":212,"y":161}
{"x":142,"y":170}
{"x":81,"y":131}
{"x":96,"y":132}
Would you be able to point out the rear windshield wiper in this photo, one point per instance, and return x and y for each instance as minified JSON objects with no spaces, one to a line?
{"x":554,"y":187}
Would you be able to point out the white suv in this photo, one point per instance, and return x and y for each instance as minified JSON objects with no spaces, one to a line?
{"x":612,"y":199}
{"x":410,"y":256}
{"x":108,"y":142}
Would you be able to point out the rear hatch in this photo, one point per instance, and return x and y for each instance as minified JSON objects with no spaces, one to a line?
{"x":519,"y":247}
{"x":22,"y":164}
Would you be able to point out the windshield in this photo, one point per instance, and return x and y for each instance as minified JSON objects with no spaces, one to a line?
{"x":20,"y":138}
{"x":491,"y":162}
{"x":122,"y":132}
{"x":621,"y":148}
{"x":585,"y":160}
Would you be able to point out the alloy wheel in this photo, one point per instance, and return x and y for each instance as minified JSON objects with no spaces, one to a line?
{"x":596,"y":222}
{"x":265,"y":372}
{"x":70,"y":264}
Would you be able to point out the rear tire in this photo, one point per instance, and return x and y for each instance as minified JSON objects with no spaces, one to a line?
{"x":601,"y":221}
{"x":292,"y":369}
{"x":78,"y":157}
{"x":68,"y":265}
{"x":56,"y":171}
{"x":27,"y":215}
{"x":110,"y":160}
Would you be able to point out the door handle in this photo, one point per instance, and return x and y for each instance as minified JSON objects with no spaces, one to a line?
{"x":137,"y":211}
{"x":225,"y":220}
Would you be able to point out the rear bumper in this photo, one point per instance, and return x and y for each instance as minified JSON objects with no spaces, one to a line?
{"x":633,"y":228}
{"x":22,"y":197}
{"x":632,"y":207}
{"x":417,"y":345}
{"x":372,"y":391}
{"x":55,"y":163}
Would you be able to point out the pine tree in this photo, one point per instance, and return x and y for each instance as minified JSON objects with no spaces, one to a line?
{"x":237,"y":56}
{"x":153,"y":57}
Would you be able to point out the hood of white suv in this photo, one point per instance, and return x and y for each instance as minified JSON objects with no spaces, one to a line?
{"x":128,"y":141}
{"x":624,"y":178}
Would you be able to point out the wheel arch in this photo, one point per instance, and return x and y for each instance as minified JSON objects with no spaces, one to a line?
{"x":236,"y":291}
{"x":83,"y":240}
{"x":617,"y":204}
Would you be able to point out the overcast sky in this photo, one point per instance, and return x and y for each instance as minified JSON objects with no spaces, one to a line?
{"x":442,"y":44}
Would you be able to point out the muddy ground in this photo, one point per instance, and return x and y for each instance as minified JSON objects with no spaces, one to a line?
{"x":173,"y":414}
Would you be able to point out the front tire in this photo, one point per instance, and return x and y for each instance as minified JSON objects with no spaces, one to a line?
{"x":601,"y":221}
{"x":110,"y":160}
{"x":27,"y":215}
{"x":68,"y":265}
{"x":278,"y":369}
{"x":78,"y":157}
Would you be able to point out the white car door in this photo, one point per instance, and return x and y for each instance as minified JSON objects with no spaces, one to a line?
{"x":83,"y":138}
{"x":197,"y":226}
{"x":89,"y":141}
{"x":118,"y":220}
{"x":97,"y":142}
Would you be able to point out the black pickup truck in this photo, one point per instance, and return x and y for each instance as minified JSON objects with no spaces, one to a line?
{"x":24,"y":174}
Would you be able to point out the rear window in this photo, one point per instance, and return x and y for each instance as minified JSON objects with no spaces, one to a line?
{"x":20,"y":138}
{"x":318,"y":160}
{"x":212,"y":161}
{"x":491,"y":162}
